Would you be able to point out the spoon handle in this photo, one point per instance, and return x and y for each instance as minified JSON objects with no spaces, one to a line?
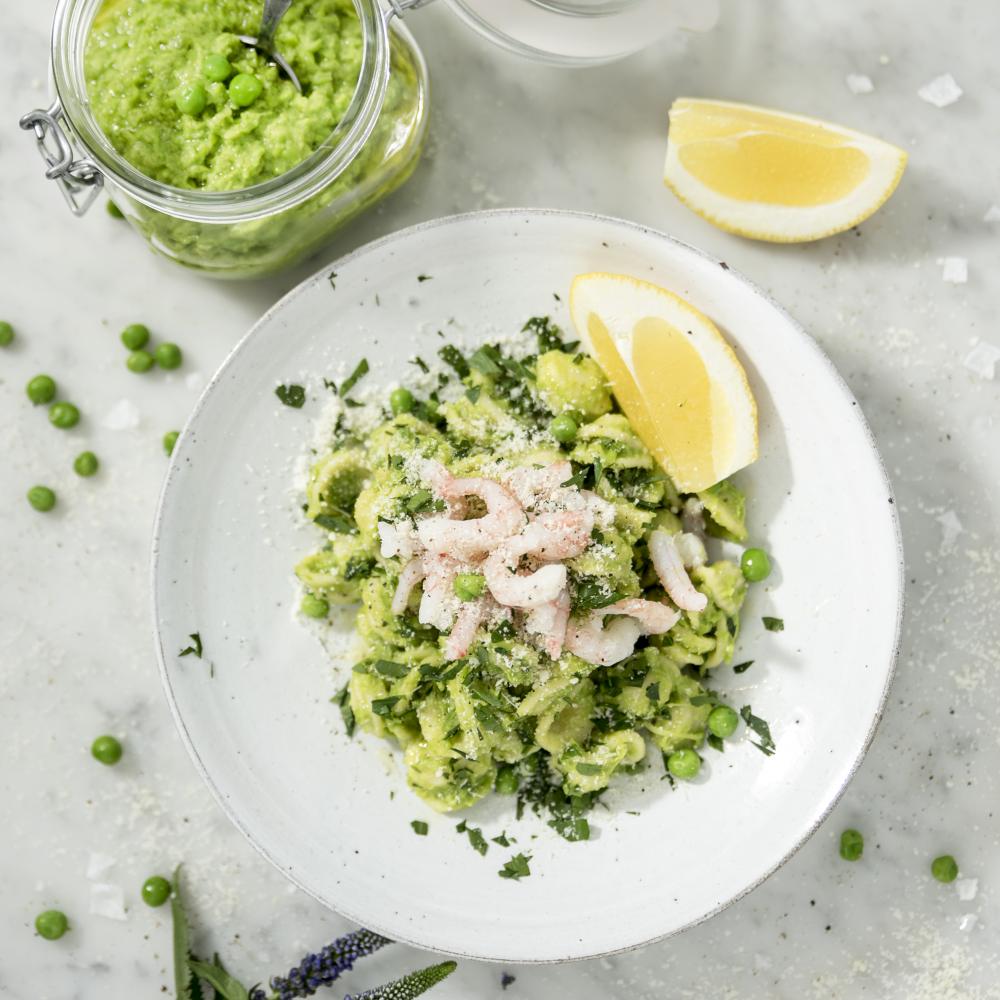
{"x":274,"y":11}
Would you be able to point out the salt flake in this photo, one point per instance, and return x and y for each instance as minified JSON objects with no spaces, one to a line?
{"x":123,"y":416}
{"x":108,"y":900}
{"x":99,"y":865}
{"x":858,"y":83}
{"x":941,"y":91}
{"x":955,"y":270}
{"x":967,"y":888}
{"x":982,"y":359}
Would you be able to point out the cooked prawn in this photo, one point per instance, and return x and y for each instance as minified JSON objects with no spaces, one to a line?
{"x":439,"y":605}
{"x":470,"y":616}
{"x":531,"y":483}
{"x":412,"y":574}
{"x":549,"y":622}
{"x":521,"y":590}
{"x":559,"y":535}
{"x":654,"y":616}
{"x":398,"y":539}
{"x":589,"y":639}
{"x":670,"y":569}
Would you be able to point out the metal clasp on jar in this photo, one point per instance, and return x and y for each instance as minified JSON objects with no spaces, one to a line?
{"x":79,"y":180}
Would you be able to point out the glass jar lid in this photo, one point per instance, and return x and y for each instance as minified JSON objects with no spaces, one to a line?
{"x":583,"y":32}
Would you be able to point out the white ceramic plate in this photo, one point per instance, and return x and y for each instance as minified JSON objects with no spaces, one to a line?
{"x":334,"y":814}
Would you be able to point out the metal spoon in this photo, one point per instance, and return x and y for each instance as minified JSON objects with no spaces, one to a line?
{"x":274,"y":11}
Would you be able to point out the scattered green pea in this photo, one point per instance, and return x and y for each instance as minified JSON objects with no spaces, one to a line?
{"x":168,"y":355}
{"x":244,"y":89}
{"x":51,"y":924}
{"x":852,"y":845}
{"x":41,"y":389}
{"x":155,"y":890}
{"x":507,"y":781}
{"x":756,"y":565}
{"x":944,"y":868}
{"x":401,"y":401}
{"x":191,"y":100}
{"x":135,"y":336}
{"x":563,"y":428}
{"x":216,"y":68}
{"x":469,"y":586}
{"x":85,"y":464}
{"x":63,"y":415}
{"x":41,"y":498}
{"x":107,"y":750}
{"x":169,"y":440}
{"x":722,"y":721}
{"x":6,"y":333}
{"x":139,"y":362}
{"x":315,"y":607}
{"x":113,"y":210}
{"x":684,"y":764}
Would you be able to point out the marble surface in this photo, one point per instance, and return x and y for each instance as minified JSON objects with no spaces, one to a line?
{"x":76,"y":657}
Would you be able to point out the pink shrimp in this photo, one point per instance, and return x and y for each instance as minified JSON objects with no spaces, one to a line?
{"x":398,"y":539}
{"x":670,"y":569}
{"x":439,"y":605}
{"x":589,"y":639}
{"x":530,"y":484}
{"x":474,"y":537}
{"x":470,"y":616}
{"x":412,"y":574}
{"x":549,"y":622}
{"x":654,"y":616}
{"x":521,"y":590}
{"x":559,"y":535}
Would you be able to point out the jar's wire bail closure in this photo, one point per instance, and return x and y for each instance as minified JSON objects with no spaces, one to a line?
{"x":79,"y":179}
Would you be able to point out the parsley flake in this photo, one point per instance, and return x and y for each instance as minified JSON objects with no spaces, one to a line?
{"x":291,"y":395}
{"x":352,"y":380}
{"x":420,"y":828}
{"x":742,"y":667}
{"x":384,"y":706}
{"x":194,"y":649}
{"x":516,"y":868}
{"x":773,"y":624}
{"x":475,"y":835}
{"x":762,"y":730}
{"x":423,"y":277}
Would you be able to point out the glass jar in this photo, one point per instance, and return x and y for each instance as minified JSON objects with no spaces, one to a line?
{"x":258,"y":229}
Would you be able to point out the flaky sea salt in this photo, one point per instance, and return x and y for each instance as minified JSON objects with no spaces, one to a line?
{"x":858,"y":83}
{"x":123,"y":416}
{"x":108,"y":900}
{"x":954,"y":270}
{"x":98,"y":865}
{"x":966,"y":888}
{"x":941,"y":91}
{"x":982,"y":359}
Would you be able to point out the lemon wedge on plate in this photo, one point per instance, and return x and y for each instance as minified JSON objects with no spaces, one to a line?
{"x":775,"y":176}
{"x":675,"y":378}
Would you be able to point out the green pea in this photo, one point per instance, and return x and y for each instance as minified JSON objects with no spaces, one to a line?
{"x":168,"y":356}
{"x":507,"y":782}
{"x":756,"y":565}
{"x":6,"y":333}
{"x":155,"y":890}
{"x":314,"y":607}
{"x":191,"y":99}
{"x":944,"y":868}
{"x":41,"y":498}
{"x":51,"y":924}
{"x":107,"y":750}
{"x":852,"y":845}
{"x":169,"y":440}
{"x":139,"y":362}
{"x":684,"y":764}
{"x":85,"y":464}
{"x":469,"y":586}
{"x":41,"y":389}
{"x":64,"y":415}
{"x":563,"y":428}
{"x":401,"y":401}
{"x":216,"y":68}
{"x":244,"y":89}
{"x":113,"y":210}
{"x":722,"y":721}
{"x":135,"y":336}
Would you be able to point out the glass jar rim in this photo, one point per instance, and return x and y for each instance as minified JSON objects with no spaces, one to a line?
{"x":70,"y":30}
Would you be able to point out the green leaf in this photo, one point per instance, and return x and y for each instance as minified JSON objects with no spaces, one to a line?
{"x":291,"y":395}
{"x":502,"y":840}
{"x":742,"y":667}
{"x":773,"y":624}
{"x":226,"y":986}
{"x":766,"y":745}
{"x":473,"y":394}
{"x":339,"y":521}
{"x":420,"y":363}
{"x":451,"y":355}
{"x":383,"y":706}
{"x":420,"y":828}
{"x":585,"y":768}
{"x":346,"y":712}
{"x":182,"y":940}
{"x":389,"y":668}
{"x":516,"y":868}
{"x":195,"y":649}
{"x":487,"y":361}
{"x":352,"y":380}
{"x":410,"y":986}
{"x":475,"y":835}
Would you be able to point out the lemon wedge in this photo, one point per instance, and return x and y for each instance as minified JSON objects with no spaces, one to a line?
{"x":675,"y":378}
{"x":775,"y":176}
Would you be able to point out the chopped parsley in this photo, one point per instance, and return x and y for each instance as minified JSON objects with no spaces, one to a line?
{"x":472,"y":395}
{"x":384,"y":706}
{"x":420,"y":828}
{"x":339,"y":521}
{"x":742,"y":667}
{"x":773,"y":624}
{"x":291,"y":395}
{"x":195,"y":649}
{"x":352,"y":380}
{"x":584,"y":768}
{"x":761,"y":729}
{"x":423,"y":277}
{"x":502,"y":840}
{"x":389,"y":668}
{"x":358,"y":568}
{"x":421,"y":501}
{"x":343,"y":699}
{"x":475,"y":835}
{"x":420,"y":363}
{"x":516,"y":868}
{"x":452,"y":356}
